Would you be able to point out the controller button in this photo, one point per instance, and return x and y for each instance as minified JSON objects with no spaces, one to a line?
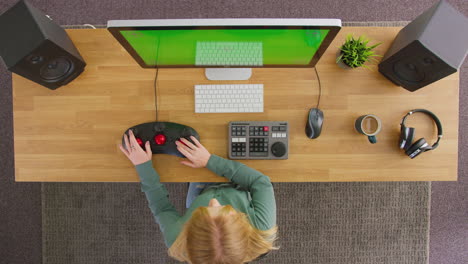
{"x":159,"y":127}
{"x":160,"y":139}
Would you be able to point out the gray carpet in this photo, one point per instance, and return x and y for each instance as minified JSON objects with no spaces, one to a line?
{"x":318,"y":222}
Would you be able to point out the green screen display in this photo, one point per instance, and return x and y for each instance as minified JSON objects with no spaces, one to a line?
{"x":238,"y":47}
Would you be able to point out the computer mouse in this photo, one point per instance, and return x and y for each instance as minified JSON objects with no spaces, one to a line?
{"x":314,"y":123}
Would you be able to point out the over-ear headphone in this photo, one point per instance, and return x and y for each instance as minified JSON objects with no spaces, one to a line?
{"x":407,"y":135}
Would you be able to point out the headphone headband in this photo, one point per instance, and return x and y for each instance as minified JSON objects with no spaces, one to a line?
{"x":434,"y":118}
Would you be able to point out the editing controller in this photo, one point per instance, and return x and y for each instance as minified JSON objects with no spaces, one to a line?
{"x":258,"y":140}
{"x":162,"y":136}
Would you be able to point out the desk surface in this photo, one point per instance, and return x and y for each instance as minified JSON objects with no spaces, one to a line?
{"x":71,"y":134}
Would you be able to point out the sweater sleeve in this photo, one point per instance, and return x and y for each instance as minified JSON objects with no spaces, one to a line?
{"x":259,"y":186}
{"x":163,"y":211}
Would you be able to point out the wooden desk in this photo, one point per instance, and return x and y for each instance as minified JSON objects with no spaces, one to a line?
{"x":71,"y":134}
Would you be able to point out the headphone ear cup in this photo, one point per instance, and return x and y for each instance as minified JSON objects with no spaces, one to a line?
{"x":411,"y":134}
{"x":406,"y":137}
{"x":417,"y":148}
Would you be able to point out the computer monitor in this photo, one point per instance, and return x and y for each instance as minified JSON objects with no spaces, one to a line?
{"x":227,"y":48}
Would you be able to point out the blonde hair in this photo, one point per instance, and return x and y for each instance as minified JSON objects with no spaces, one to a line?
{"x":227,"y":238}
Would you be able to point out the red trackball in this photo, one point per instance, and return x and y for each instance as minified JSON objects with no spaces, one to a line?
{"x":139,"y":141}
{"x":160,"y":139}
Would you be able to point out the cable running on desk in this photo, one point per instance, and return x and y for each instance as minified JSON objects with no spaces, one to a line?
{"x":156,"y":92}
{"x":156,"y":79}
{"x":320,"y":87}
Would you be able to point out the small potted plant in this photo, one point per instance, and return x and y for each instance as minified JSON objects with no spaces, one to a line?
{"x":355,"y":52}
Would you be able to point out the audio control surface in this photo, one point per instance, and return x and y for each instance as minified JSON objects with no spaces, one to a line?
{"x":162,"y":136}
{"x":258,"y":140}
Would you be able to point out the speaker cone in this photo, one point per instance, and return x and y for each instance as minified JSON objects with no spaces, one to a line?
{"x":408,"y":71}
{"x":56,"y":69}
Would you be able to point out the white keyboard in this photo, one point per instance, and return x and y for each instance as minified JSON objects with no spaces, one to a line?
{"x":229,"y":98}
{"x":217,"y":53}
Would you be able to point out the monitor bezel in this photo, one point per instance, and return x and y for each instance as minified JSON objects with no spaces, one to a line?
{"x":333,"y":25}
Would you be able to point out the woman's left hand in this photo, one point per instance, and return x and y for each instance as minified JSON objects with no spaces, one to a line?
{"x":196,"y":153}
{"x":136,"y":154}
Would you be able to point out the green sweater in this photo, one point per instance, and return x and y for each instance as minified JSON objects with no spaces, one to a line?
{"x":253,"y":196}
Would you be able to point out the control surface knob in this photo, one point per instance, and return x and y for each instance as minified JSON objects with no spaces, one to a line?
{"x":278,"y":149}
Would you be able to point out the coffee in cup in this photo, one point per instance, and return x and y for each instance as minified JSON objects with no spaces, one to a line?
{"x":369,"y":125}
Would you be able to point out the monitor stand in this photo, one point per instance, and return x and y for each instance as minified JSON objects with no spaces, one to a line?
{"x":228,"y":74}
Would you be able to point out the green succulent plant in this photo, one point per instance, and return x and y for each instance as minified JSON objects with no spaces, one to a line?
{"x":355,"y":52}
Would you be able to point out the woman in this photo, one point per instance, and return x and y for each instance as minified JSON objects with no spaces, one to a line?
{"x":231,"y":222}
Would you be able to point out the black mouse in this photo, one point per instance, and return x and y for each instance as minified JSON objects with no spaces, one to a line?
{"x":314,"y":123}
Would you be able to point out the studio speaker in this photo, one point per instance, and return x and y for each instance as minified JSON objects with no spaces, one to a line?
{"x":428,"y":49}
{"x":35,"y":47}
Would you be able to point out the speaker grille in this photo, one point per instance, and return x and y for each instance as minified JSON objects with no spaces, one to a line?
{"x":414,"y":66}
{"x":408,"y":71}
{"x":56,"y":69}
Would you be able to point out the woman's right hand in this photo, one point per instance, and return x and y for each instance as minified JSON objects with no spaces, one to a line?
{"x":136,"y":154}
{"x":196,"y":154}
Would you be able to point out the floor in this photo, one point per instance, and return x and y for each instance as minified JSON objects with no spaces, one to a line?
{"x":20,"y":203}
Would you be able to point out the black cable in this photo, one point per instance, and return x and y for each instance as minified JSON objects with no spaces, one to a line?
{"x":156,"y":93}
{"x":320,"y":86}
{"x":156,"y":78}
